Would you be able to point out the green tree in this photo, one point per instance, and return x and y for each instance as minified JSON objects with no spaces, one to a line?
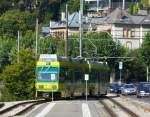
{"x":6,"y":45}
{"x":134,"y":68}
{"x":74,"y":6}
{"x":19,"y":78}
{"x":133,"y":9}
{"x":145,"y":49}
{"x":12,"y":21}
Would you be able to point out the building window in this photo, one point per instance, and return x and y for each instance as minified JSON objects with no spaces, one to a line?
{"x":126,"y":33}
{"x":129,"y":44}
{"x":132,"y":33}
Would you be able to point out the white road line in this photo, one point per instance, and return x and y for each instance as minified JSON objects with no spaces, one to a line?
{"x":45,"y":110}
{"x":86,"y":110}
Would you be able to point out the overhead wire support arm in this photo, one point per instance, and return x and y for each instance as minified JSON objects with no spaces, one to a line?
{"x":93,"y":45}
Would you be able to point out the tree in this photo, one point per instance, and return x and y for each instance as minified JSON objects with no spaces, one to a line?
{"x":19,"y":78}
{"x":12,"y":21}
{"x":134,"y":68}
{"x":145,"y":49}
{"x":6,"y":45}
{"x":74,"y":6}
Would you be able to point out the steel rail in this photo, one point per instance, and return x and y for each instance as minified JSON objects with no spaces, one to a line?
{"x":128,"y":111}
{"x":29,"y":107}
{"x":17,"y":105}
{"x":106,"y":107}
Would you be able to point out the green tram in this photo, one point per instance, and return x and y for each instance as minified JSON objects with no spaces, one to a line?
{"x":65,"y":78}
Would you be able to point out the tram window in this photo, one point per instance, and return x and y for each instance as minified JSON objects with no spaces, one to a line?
{"x":65,"y":75}
{"x":46,"y":77}
{"x":78,"y":77}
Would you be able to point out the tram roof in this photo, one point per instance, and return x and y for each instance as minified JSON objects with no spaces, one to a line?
{"x":56,"y":61}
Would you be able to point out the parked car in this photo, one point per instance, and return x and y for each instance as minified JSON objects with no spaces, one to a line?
{"x":143,"y":89}
{"x":128,"y":89}
{"x":114,"y":88}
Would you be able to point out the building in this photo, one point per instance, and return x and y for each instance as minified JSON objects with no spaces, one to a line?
{"x":58,"y":29}
{"x":125,"y":28}
{"x":128,"y":29}
{"x":100,"y":8}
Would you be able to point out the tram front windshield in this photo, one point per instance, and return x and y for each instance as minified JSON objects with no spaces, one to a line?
{"x":46,"y":74}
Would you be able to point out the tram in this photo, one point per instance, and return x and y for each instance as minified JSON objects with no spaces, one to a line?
{"x":65,"y":78}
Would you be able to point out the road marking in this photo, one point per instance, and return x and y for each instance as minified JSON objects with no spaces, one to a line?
{"x":86,"y":110}
{"x":45,"y":110}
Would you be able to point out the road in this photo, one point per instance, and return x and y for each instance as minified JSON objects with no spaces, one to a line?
{"x":76,"y":108}
{"x":144,"y":99}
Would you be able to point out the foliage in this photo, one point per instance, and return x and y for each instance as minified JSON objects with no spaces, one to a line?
{"x":104,"y":44}
{"x":5,"y":5}
{"x":12,"y":21}
{"x":74,"y":6}
{"x":144,"y":3}
{"x":6,"y":45}
{"x":134,"y":69}
{"x":19,"y":78}
{"x":145,"y":49}
{"x":133,"y":9}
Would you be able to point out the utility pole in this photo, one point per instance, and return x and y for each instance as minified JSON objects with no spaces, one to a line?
{"x":66,"y":41}
{"x":18,"y":46}
{"x":123,"y":4}
{"x":80,"y":22}
{"x":97,"y":5}
{"x":36,"y":46}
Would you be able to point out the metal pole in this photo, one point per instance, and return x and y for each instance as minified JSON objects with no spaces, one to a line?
{"x":123,"y":4}
{"x":80,"y":22}
{"x":109,"y":4}
{"x":86,"y":91}
{"x":120,"y":75}
{"x":52,"y":95}
{"x":18,"y":46}
{"x":36,"y":50}
{"x":147,"y":73}
{"x":97,"y":5}
{"x":66,"y":41}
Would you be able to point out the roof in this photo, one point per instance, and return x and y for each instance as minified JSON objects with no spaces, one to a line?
{"x":118,"y":16}
{"x":73,"y":21}
{"x":146,"y":20}
{"x":123,"y":17}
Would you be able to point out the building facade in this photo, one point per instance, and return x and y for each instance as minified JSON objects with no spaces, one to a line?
{"x":125,"y":28}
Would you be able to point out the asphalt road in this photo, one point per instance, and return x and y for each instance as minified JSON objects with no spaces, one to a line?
{"x":76,"y":108}
{"x":143,"y":99}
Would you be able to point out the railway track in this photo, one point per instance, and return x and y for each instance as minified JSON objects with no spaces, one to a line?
{"x":20,"y":108}
{"x":109,"y":110}
{"x":123,"y":108}
{"x":10,"y":111}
